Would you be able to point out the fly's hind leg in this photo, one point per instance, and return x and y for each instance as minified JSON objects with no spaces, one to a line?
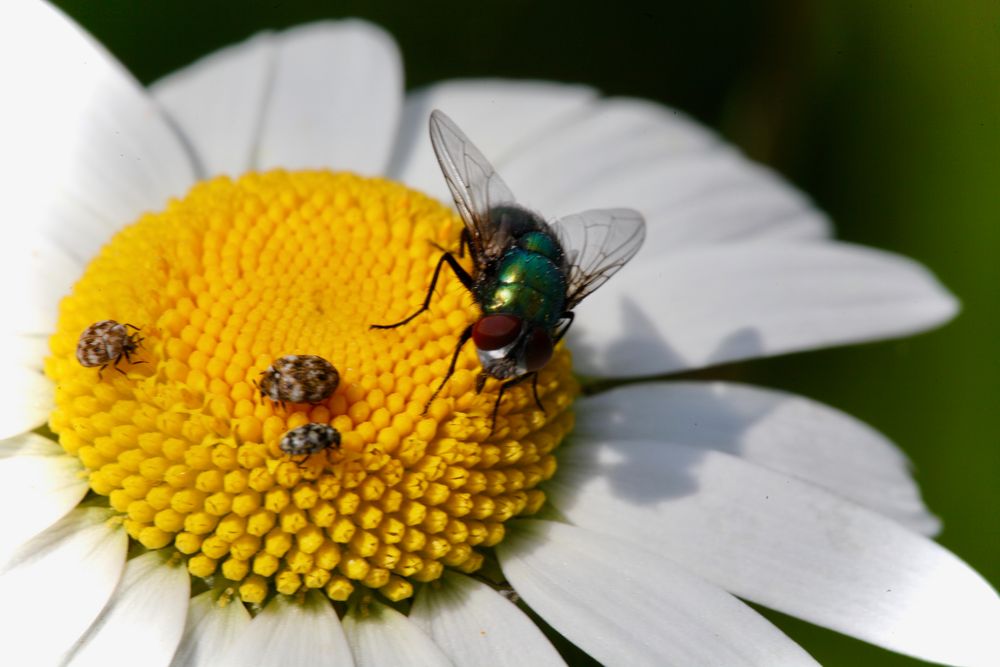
{"x":460,"y":273}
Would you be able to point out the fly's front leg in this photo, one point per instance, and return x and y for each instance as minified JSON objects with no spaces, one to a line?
{"x":460,"y":273}
{"x":463,"y":243}
{"x":533,"y":376}
{"x":462,"y":340}
{"x":567,"y":317}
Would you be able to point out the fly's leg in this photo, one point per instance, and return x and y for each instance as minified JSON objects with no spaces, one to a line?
{"x":567,"y":317}
{"x":462,"y":340}
{"x":460,"y":273}
{"x":534,"y":390}
{"x":463,"y":243}
{"x":513,"y":383}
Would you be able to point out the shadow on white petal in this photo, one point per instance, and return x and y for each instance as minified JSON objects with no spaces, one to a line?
{"x":783,"y":432}
{"x":54,"y":587}
{"x":295,"y":634}
{"x":380,"y":635}
{"x":210,"y":631}
{"x":783,"y":543}
{"x":475,"y":625}
{"x":143,"y":621}
{"x":624,"y":605}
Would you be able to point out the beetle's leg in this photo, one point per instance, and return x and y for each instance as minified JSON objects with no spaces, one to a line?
{"x":118,"y":360}
{"x":462,"y":340}
{"x":462,"y":274}
{"x":125,"y":351}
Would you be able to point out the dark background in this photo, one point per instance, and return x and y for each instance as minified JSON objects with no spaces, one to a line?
{"x":886,"y":113}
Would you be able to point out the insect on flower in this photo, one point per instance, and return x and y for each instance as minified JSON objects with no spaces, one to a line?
{"x":527,"y":275}
{"x":106,"y":342}
{"x":309,"y":439}
{"x":298,"y":378}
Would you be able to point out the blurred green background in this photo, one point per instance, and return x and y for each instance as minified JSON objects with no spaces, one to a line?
{"x":887,"y":113}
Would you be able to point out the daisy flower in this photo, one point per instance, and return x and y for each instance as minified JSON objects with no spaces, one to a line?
{"x":278,"y":198}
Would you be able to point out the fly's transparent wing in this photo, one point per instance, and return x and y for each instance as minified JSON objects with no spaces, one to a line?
{"x":597,"y":243}
{"x":474,"y":184}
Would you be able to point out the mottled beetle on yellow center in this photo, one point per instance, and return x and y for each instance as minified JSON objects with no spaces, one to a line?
{"x":309,"y":439}
{"x":298,"y":378}
{"x":106,"y":342}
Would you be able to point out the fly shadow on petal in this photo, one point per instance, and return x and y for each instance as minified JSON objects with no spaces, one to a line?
{"x":700,"y":418}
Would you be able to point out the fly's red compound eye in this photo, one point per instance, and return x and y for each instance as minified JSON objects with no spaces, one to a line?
{"x":496,"y":331}
{"x":538,"y":350}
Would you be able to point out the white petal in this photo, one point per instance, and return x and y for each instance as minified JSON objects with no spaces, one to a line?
{"x":785,"y":544}
{"x":218,"y":103}
{"x":145,"y":617}
{"x":693,"y":189}
{"x":501,"y":117}
{"x":86,"y":147}
{"x":380,"y":636}
{"x":57,"y":584}
{"x":22,"y":351}
{"x":743,"y":301}
{"x":475,"y":625}
{"x":786,"y":433}
{"x":211,"y":630}
{"x":50,"y":268}
{"x":627,"y":606}
{"x":39,"y":484}
{"x":562,"y":151}
{"x":293,"y":634}
{"x":27,"y":399}
{"x":334,"y":101}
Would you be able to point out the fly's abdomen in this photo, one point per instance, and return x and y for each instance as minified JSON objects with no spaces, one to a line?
{"x":528,"y":285}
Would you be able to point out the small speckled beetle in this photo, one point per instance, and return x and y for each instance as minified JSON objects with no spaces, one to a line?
{"x":106,"y":342}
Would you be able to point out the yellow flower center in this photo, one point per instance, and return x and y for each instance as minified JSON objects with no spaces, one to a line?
{"x":239,"y":274}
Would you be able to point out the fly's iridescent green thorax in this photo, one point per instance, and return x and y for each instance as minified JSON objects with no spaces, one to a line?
{"x":527,"y":284}
{"x":529,"y":280}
